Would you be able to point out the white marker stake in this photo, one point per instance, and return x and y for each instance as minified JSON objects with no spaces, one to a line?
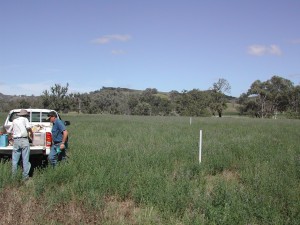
{"x":190,"y":120}
{"x":200,"y":146}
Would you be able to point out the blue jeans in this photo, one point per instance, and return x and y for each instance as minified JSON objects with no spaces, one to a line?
{"x":21,"y":146}
{"x":54,"y":156}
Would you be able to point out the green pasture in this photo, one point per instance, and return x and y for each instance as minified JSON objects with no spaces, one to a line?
{"x":146,"y":170}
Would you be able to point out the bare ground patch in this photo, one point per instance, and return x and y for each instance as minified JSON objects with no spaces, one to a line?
{"x":227,"y":175}
{"x":19,"y":207}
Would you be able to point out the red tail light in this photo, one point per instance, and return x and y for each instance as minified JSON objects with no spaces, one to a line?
{"x":48,"y":139}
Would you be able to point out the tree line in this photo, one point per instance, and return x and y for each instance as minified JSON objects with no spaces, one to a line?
{"x":127,"y":101}
{"x":266,"y":99}
{"x":263,"y":99}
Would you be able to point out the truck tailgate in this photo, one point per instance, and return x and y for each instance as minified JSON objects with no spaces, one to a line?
{"x":34,"y":150}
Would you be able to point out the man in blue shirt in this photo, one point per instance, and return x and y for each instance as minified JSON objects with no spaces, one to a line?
{"x":59,"y":139}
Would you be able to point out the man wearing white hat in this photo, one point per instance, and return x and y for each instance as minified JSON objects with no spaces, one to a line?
{"x":21,"y":128}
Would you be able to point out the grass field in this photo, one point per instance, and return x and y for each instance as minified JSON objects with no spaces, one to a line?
{"x":145,"y":170}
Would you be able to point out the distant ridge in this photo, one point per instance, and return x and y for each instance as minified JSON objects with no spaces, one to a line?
{"x":15,"y":97}
{"x":2,"y":96}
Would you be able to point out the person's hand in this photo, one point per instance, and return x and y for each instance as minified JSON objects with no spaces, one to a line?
{"x":62,"y":146}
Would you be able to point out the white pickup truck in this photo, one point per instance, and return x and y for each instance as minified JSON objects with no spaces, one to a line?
{"x":42,"y":138}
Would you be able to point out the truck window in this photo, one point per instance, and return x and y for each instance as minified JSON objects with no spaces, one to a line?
{"x":45,"y":117}
{"x":12,"y":116}
{"x":35,"y":117}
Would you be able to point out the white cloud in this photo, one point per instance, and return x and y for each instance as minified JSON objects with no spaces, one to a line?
{"x":256,"y":50}
{"x":259,"y":50}
{"x":109,"y":38}
{"x":274,"y":50}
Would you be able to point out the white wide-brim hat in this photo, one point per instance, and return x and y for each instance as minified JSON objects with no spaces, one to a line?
{"x":23,"y":112}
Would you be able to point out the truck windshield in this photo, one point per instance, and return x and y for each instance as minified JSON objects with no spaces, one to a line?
{"x":35,"y":117}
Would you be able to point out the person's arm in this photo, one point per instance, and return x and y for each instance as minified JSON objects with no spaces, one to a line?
{"x":9,"y":129}
{"x":28,"y":128}
{"x":64,"y":139}
{"x":30,"y":132}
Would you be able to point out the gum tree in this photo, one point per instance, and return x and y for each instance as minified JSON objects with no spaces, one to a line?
{"x":56,"y":98}
{"x":218,"y":99}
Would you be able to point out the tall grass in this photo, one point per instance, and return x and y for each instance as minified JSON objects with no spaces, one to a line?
{"x":249,"y":172}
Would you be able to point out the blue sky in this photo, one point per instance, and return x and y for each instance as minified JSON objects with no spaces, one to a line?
{"x":163,"y":44}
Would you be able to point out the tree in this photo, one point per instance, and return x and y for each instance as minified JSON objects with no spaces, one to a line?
{"x":248,"y":105}
{"x":271,"y":96}
{"x":259,"y":92}
{"x":84,"y":103}
{"x":293,"y":110}
{"x":142,"y":108}
{"x":218,"y":99}
{"x":160,"y":105}
{"x":24,"y":104}
{"x":266,"y":99}
{"x":133,"y":101}
{"x":56,"y":98}
{"x":279,"y":89}
{"x":148,"y":95}
{"x":294,"y":100}
{"x":110,"y":100}
{"x":222,"y":86}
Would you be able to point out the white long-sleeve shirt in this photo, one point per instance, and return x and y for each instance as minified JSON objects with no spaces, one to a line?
{"x":20,"y":126}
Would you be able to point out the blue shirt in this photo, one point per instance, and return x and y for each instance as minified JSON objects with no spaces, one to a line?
{"x":57,"y":130}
